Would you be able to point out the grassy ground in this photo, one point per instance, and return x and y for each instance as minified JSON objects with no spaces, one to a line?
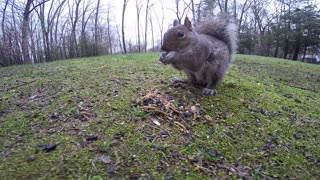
{"x":266,"y":121}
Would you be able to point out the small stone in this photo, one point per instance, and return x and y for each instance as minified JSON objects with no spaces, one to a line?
{"x":193,"y":109}
{"x":187,"y":114}
{"x":159,"y":148}
{"x":156,"y":122}
{"x":55,"y":115}
{"x":171,"y":123}
{"x":92,"y":138}
{"x":297,"y":136}
{"x":189,"y":137}
{"x":50,"y":147}
{"x":264,"y":111}
{"x":165,"y":133}
{"x":225,"y":115}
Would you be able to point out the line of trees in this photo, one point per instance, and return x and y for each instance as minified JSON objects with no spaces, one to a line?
{"x":34,"y":31}
{"x":45,"y":30}
{"x":288,"y":29}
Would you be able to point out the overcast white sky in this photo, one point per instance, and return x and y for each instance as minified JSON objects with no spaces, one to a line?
{"x":130,"y":16}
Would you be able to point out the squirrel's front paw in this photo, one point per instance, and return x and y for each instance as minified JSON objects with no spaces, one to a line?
{"x":166,"y":57}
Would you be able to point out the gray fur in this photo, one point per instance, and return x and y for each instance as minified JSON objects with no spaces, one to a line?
{"x":203,"y":54}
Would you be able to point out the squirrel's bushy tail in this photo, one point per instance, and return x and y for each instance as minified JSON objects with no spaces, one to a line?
{"x":221,"y":27}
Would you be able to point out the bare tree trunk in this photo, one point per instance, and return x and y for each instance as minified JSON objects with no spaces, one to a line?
{"x":34,"y":54}
{"x":297,"y":48}
{"x":223,"y":5}
{"x":125,"y":2}
{"x":146,"y":27}
{"x":73,"y":43}
{"x":177,"y":11}
{"x":96,"y":50}
{"x":63,"y":48}
{"x":243,"y":9}
{"x":138,"y":8}
{"x":25,"y":30}
{"x":304,"y":53}
{"x":25,"y":33}
{"x":109,"y":31}
{"x":45,"y":34}
{"x":288,"y":26}
{"x":119,"y":38}
{"x":193,"y":12}
{"x":53,"y":27}
{"x":2,"y":21}
{"x":152,"y":33}
{"x":16,"y":55}
{"x":235,"y":9}
{"x":276,"y":51}
{"x":226,"y":6}
{"x":160,"y":22}
{"x":199,"y":12}
{"x":4,"y":59}
{"x":84,"y":49}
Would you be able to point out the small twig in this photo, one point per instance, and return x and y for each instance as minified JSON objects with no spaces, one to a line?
{"x":93,"y":165}
{"x":161,"y":112}
{"x":117,"y":156}
{"x":154,"y":139}
{"x":181,"y":126}
{"x":175,"y":110}
{"x":165,"y":157}
{"x":148,"y":107}
{"x":198,"y":167}
{"x":86,"y":114}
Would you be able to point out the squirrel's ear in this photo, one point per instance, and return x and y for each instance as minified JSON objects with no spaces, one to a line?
{"x":187,"y":23}
{"x":175,"y":22}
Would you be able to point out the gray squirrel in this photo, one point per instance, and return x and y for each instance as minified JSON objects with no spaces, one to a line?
{"x":203,"y":52}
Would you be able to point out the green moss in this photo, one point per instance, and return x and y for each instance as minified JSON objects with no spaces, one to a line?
{"x":266,"y":121}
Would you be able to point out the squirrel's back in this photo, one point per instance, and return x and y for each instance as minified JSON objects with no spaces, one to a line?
{"x":221,"y":27}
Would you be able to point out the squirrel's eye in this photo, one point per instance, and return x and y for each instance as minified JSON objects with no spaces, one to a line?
{"x":180,"y":34}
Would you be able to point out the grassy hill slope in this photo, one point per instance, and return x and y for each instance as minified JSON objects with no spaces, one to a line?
{"x":263,"y":123}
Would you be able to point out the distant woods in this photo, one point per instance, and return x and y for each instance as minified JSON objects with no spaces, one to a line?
{"x":35,"y":31}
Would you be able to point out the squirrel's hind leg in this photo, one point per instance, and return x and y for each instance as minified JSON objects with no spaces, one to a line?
{"x":213,"y":82}
{"x":210,"y":89}
{"x":211,"y":92}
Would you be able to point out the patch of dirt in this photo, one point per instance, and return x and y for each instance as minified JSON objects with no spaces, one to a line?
{"x":166,"y":109}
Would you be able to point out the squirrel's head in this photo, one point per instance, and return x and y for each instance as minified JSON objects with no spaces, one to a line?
{"x":178,"y":37}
